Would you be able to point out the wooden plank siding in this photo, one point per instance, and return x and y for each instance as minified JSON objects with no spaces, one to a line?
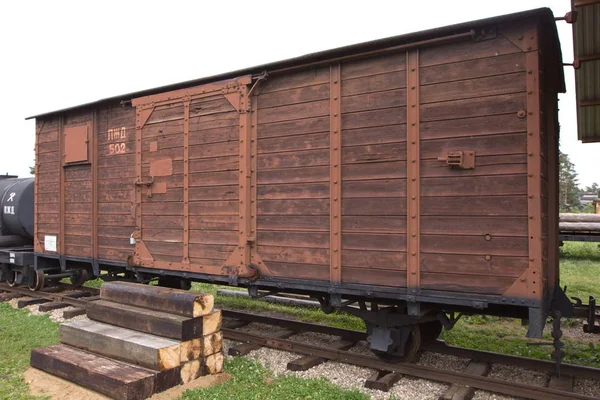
{"x":293,"y":174}
{"x":46,"y":192}
{"x":115,"y":185}
{"x":374,"y":171}
{"x":469,"y":100}
{"x":325,"y":164}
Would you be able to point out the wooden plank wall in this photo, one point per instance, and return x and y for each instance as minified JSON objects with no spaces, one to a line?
{"x":213,"y":184}
{"x":77,"y":189}
{"x":293,"y":174}
{"x":473,"y":222}
{"x":47,"y":177}
{"x":115,"y":185}
{"x":162,"y":214}
{"x":374,"y":171}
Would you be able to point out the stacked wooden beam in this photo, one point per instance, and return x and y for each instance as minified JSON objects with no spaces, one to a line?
{"x":138,"y":340}
{"x":579,"y":222}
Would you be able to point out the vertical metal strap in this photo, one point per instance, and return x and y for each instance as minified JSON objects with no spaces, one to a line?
{"x":534,"y":175}
{"x":139,"y":124}
{"x":94,"y":178}
{"x":413,"y":208}
{"x":253,"y":169}
{"x":246,"y":236}
{"x":186,"y":183}
{"x":36,"y":217}
{"x":61,"y":186}
{"x":335,"y":175}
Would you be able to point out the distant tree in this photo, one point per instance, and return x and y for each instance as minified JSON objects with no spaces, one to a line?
{"x":593,"y":189}
{"x":32,"y":170}
{"x":567,"y":180}
{"x":589,"y":208}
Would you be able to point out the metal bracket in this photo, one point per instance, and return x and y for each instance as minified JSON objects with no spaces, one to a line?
{"x":413,"y":308}
{"x":145,"y":183}
{"x":459,"y":159}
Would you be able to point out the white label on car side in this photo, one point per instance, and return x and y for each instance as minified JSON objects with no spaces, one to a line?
{"x":50,"y":242}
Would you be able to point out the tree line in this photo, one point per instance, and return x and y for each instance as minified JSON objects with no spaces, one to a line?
{"x":569,"y":198}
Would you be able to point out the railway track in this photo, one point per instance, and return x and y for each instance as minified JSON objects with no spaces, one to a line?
{"x":385,"y":374}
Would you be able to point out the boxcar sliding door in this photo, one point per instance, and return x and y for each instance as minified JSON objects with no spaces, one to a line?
{"x":190,"y":186}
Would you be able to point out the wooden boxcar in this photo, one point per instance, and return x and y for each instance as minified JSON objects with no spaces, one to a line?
{"x":418,"y":171}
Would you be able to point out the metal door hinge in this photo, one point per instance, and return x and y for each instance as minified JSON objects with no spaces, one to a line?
{"x":459,"y":159}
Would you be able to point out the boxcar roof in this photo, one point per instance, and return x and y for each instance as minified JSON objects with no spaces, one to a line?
{"x":545,"y":15}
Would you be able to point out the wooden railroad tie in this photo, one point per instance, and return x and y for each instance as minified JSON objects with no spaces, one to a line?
{"x":307,"y":362}
{"x":154,"y":322}
{"x":30,"y":302}
{"x":172,"y":301}
{"x":462,"y":392}
{"x":245,"y":348}
{"x":74,"y":312}
{"x":564,"y":383}
{"x":9,"y":296}
{"x":131,"y":351}
{"x":113,"y":378}
{"x":52,"y":306}
{"x":382,"y":380}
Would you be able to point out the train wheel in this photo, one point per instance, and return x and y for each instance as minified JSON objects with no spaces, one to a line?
{"x":430,"y":331}
{"x":79,"y":277}
{"x":13,"y":279}
{"x":37,"y":280}
{"x":410,"y":351}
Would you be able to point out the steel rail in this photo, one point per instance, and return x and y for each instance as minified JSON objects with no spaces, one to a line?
{"x":483,"y":383}
{"x":438,"y":346}
{"x":579,"y":371}
{"x":418,"y":371}
{"x":54,"y":296}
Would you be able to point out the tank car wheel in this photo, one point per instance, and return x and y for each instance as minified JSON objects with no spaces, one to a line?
{"x":430,"y":331}
{"x":14,"y":278}
{"x":411,"y":348}
{"x":79,"y":277}
{"x":36,"y":281}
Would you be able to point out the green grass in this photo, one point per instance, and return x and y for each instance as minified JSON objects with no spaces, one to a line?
{"x":337,"y":319}
{"x":251,"y":381}
{"x":580,"y":272}
{"x":19,"y":333}
{"x":580,"y":269}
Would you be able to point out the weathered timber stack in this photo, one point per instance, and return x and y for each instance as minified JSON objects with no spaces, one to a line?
{"x":138,"y":340}
{"x":579,"y":222}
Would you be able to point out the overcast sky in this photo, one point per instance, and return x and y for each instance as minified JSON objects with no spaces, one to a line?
{"x":57,"y":54}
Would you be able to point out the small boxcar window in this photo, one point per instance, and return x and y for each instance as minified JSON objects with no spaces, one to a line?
{"x":76,"y":144}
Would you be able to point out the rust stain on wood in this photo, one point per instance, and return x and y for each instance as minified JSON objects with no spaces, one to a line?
{"x":413,"y":172}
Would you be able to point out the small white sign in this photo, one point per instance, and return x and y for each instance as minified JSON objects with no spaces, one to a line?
{"x":12,"y":260}
{"x":11,"y":255}
{"x":50,"y":242}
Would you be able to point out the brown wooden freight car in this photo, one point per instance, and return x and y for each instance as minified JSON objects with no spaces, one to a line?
{"x":418,"y":171}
